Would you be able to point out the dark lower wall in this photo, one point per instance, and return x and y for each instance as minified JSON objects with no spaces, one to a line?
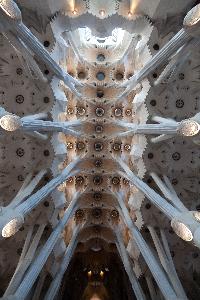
{"x":115,"y":281}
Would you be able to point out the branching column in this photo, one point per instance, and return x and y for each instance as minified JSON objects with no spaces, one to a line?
{"x":11,"y":16}
{"x":42,"y":257}
{"x":169,"y":192}
{"x":167,"y":262}
{"x":151,"y":287}
{"x":55,"y":284}
{"x":185,"y":224}
{"x":13,"y":219}
{"x":51,"y":126}
{"x":128,"y":266}
{"x":185,"y":35}
{"x":155,"y":198}
{"x":154,"y":266}
{"x":25,"y":259}
{"x":27,"y":188}
{"x":187,"y":127}
{"x":10,"y":122}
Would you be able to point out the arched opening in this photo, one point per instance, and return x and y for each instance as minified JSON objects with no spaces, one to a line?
{"x":95,"y":297}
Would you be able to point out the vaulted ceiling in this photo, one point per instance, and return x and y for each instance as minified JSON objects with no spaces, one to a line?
{"x":99,"y":149}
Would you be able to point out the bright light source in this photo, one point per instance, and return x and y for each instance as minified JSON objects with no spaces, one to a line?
{"x":74,"y":12}
{"x":130,"y":14}
{"x":95,"y":297}
{"x":101,"y":273}
{"x":89,"y":273}
{"x":102,"y":12}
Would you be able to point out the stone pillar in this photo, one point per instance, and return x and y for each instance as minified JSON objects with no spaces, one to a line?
{"x":167,"y":262}
{"x":27,"y":188}
{"x":31,"y":124}
{"x":39,"y":262}
{"x":51,"y":126}
{"x":55,"y":284}
{"x":160,"y":138}
{"x":13,"y":219}
{"x":164,"y":128}
{"x":186,"y":224}
{"x":25,"y":260}
{"x":39,"y":286}
{"x":128,"y":266}
{"x":36,"y":198}
{"x":151,"y":287}
{"x":169,"y":192}
{"x":169,"y":210}
{"x":11,"y":17}
{"x":188,"y":127}
{"x":185,"y":35}
{"x":153,"y":264}
{"x":176,"y":62}
{"x":39,"y":116}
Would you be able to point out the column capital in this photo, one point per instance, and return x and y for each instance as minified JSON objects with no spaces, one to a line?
{"x":10,"y":122}
{"x":12,"y":226}
{"x":188,"y":127}
{"x":192,"y":20}
{"x":186,"y":225}
{"x":10,"y":15}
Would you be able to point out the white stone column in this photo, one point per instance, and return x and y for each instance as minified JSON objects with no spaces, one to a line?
{"x":13,"y":219}
{"x":184,"y":36}
{"x":176,"y":62}
{"x":167,"y":262}
{"x":11,"y":17}
{"x":32,"y":124}
{"x":169,"y":210}
{"x":27,"y":188}
{"x":160,"y":138}
{"x":39,"y":262}
{"x":55,"y":284}
{"x":40,"y":52}
{"x":38,"y":135}
{"x":39,"y":116}
{"x":25,"y":260}
{"x":39,"y":286}
{"x":186,"y":224}
{"x":187,"y":127}
{"x":164,"y":128}
{"x":151,"y":287}
{"x":51,"y":126}
{"x":169,"y":192}
{"x":153,"y":264}
{"x":128,"y":266}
